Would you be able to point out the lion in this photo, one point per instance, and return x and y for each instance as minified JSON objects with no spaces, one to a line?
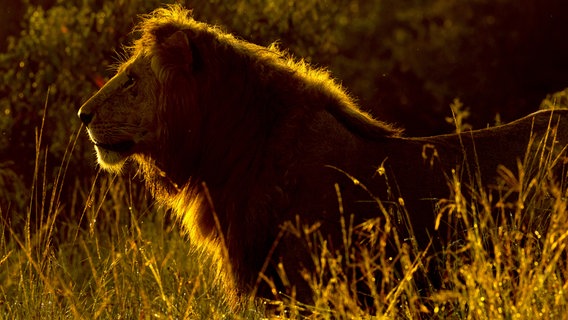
{"x":241,"y":140}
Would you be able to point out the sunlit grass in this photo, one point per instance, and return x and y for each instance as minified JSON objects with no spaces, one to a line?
{"x":120,"y":257}
{"x":510,"y":263}
{"x":128,"y":262}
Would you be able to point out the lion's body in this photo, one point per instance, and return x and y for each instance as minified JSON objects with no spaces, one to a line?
{"x":240,"y":140}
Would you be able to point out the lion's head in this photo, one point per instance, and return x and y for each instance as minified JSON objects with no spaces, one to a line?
{"x":151,"y":91}
{"x":192,"y":90}
{"x":121,"y":118}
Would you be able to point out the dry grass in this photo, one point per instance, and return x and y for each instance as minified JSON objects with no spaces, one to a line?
{"x":123,"y":259}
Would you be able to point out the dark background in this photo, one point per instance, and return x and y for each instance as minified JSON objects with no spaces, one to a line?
{"x":405,"y":61}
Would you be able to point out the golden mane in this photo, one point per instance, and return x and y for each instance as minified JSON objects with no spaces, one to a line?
{"x":163,"y":22}
{"x":256,"y":67}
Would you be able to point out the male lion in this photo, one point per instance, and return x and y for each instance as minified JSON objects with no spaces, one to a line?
{"x":241,"y":140}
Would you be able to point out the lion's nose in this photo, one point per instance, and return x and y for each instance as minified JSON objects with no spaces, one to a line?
{"x":85,"y":117}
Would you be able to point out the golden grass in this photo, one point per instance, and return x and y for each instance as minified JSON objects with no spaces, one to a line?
{"x":121,"y":258}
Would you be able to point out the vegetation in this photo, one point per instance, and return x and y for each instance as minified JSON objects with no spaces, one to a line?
{"x":77,"y":243}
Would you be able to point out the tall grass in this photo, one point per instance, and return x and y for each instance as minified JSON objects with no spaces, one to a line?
{"x":509,"y":262}
{"x":120,"y":257}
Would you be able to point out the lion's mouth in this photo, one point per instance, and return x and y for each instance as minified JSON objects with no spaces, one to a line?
{"x":117,"y":147}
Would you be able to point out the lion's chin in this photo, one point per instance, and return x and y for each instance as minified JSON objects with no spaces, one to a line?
{"x":110,"y":160}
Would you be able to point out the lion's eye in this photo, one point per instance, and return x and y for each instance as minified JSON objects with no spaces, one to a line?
{"x":130,"y":81}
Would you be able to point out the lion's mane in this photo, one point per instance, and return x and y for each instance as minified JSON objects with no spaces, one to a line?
{"x":231,"y":114}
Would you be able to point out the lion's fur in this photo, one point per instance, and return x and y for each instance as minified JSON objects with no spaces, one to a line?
{"x":248,"y":139}
{"x":247,"y":61}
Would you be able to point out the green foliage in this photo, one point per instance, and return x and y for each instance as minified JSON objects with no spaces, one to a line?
{"x":61,"y":56}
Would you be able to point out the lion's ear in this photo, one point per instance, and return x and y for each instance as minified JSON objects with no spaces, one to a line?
{"x":179,"y":48}
{"x":175,"y":52}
